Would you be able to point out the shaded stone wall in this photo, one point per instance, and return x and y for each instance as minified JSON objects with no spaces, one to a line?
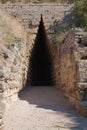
{"x":72,"y":72}
{"x":67,"y":66}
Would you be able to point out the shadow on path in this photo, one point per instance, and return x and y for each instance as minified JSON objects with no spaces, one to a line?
{"x":51,"y":99}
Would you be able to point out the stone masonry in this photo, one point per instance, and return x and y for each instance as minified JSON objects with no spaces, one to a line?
{"x":69,"y":57}
{"x":73,"y":71}
{"x":29,"y":16}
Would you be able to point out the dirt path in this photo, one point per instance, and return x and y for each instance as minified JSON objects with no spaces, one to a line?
{"x":43,"y":108}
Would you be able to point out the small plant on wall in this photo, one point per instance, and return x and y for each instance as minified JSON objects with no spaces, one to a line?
{"x":80,"y":12}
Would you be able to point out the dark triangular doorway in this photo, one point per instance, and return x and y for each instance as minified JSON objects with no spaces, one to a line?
{"x":40,"y":64}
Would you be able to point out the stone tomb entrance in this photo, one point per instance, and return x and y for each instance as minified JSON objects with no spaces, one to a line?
{"x":40,"y":70}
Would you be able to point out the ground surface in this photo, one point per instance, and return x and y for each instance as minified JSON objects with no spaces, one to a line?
{"x":43,"y":108}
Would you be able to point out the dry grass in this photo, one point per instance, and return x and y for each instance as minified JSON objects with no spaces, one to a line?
{"x":11,"y":31}
{"x":13,"y":25}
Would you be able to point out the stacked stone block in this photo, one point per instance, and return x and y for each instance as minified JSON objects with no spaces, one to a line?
{"x":29,"y":15}
{"x":70,"y":66}
{"x":12,"y":69}
{"x":73,"y":72}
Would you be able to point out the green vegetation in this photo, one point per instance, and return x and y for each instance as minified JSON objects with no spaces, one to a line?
{"x":60,"y":37}
{"x":10,"y":38}
{"x":63,"y":27}
{"x":80,"y":20}
{"x":80,"y":12}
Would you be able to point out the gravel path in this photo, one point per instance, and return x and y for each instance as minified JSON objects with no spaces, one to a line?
{"x":43,"y":108}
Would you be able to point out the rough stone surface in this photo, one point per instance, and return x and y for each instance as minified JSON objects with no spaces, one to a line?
{"x":12,"y":58}
{"x":73,"y":70}
{"x":69,"y":57}
{"x":29,"y":16}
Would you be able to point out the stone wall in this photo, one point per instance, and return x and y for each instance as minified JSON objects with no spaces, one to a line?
{"x":53,"y":15}
{"x":11,"y":74}
{"x":69,"y":57}
{"x":68,"y":73}
{"x":13,"y":62}
{"x":29,"y":16}
{"x":73,"y":71}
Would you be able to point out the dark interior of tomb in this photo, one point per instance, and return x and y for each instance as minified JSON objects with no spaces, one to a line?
{"x":84,"y":57}
{"x":40,"y":71}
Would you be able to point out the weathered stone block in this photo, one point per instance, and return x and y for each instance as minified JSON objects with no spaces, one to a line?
{"x":3,"y":86}
{"x":5,"y":53}
{"x":81,"y":85}
{"x":1,"y":74}
{"x":4,"y":74}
